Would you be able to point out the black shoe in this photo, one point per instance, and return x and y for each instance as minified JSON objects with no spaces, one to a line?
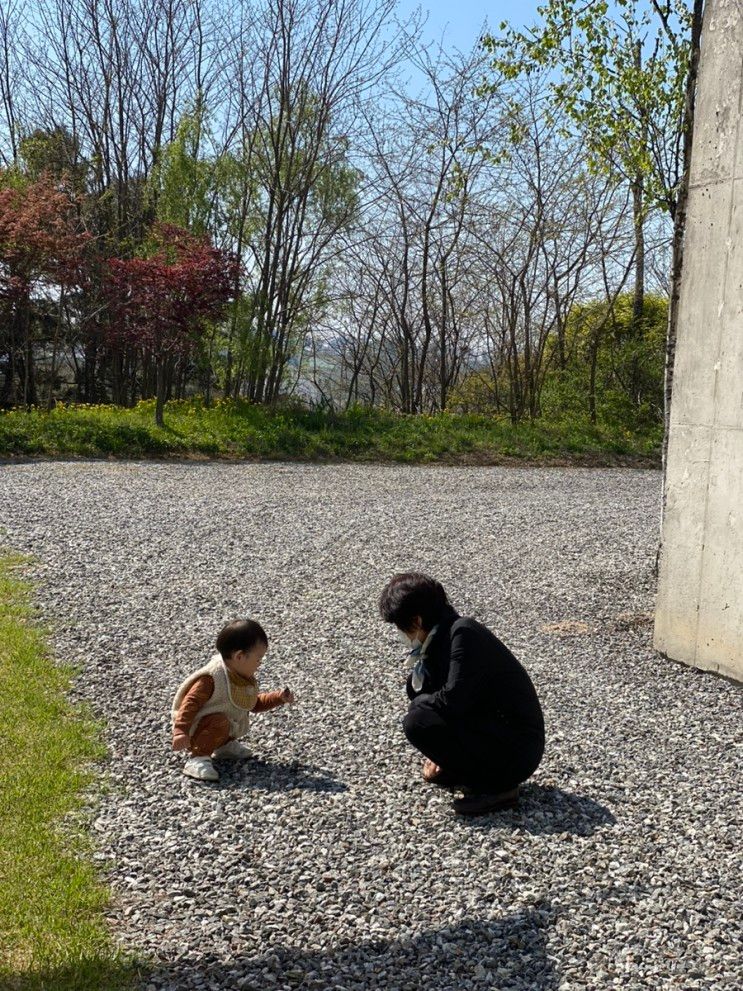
{"x":480,"y":805}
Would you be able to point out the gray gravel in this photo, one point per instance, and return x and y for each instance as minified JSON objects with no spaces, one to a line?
{"x":326,"y":862}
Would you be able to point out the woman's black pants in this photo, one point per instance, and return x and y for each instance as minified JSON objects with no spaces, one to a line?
{"x":488,"y":760}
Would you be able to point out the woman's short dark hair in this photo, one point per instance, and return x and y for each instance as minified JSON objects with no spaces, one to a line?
{"x":413,"y":594}
{"x":241,"y":634}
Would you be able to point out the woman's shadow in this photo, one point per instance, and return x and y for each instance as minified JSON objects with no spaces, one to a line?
{"x":544,"y":810}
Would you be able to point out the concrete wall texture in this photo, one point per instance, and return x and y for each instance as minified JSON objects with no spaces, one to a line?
{"x":699,"y":611}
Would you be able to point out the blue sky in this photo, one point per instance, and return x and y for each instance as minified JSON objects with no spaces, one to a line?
{"x":461,"y":20}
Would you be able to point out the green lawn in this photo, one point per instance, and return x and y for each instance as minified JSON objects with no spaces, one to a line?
{"x":239,"y":430}
{"x":53,"y":936}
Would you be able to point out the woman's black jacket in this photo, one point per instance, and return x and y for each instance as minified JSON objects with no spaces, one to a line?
{"x":470,"y":676}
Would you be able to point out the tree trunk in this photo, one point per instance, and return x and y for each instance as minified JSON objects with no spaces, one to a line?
{"x":638,"y":209}
{"x":443,"y":380}
{"x":679,"y":225}
{"x":160,"y":388}
{"x":29,"y":380}
{"x":638,"y":218}
{"x":9,"y":390}
{"x":118,"y":394}
{"x":55,"y":345}
{"x":592,"y":383}
{"x":89,"y":384}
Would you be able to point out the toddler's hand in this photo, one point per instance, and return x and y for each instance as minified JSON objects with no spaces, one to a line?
{"x":287,"y":696}
{"x":180,"y":741}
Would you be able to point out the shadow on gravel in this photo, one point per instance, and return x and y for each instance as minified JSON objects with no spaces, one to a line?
{"x":543,"y":811}
{"x":508,"y":954}
{"x":267,"y":775}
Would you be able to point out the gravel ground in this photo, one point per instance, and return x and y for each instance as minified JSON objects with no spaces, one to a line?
{"x":326,"y":862}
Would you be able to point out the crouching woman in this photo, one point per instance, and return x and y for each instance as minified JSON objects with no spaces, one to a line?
{"x":474,"y":713}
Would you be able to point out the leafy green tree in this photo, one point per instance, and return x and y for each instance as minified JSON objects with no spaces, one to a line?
{"x":620,"y":73}
{"x":183,"y":185}
{"x":625,"y":73}
{"x":56,"y":153}
{"x":615,"y":372}
{"x":276,"y":202}
{"x":306,"y":195}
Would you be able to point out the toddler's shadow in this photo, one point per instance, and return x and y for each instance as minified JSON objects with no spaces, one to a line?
{"x":544,"y":811}
{"x":265,"y":775}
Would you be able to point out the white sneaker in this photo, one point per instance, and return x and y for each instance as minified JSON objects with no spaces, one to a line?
{"x":234,"y":750}
{"x":201,"y":769}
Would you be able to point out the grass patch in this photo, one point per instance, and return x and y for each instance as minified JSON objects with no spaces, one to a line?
{"x":230,"y":429}
{"x":53,"y":935}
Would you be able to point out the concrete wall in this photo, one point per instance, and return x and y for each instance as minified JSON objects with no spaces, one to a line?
{"x":699,"y":612}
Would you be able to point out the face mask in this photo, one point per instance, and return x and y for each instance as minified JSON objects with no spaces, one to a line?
{"x":411,"y":642}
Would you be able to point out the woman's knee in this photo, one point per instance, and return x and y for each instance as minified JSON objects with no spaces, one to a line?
{"x":420,"y":719}
{"x":410,"y":726}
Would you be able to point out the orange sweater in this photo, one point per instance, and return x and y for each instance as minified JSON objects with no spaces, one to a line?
{"x":202,"y":690}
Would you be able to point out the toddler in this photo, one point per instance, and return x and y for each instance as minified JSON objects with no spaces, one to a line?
{"x":211,"y":708}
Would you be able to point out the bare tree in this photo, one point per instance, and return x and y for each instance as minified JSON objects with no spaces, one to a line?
{"x":426,"y":165}
{"x":308,"y":68}
{"x":543,"y":247}
{"x":13,"y":15}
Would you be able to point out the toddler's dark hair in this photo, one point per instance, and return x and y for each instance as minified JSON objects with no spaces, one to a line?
{"x":240,"y":634}
{"x":413,"y":594}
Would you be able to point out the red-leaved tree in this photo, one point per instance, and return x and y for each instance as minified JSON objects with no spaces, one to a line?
{"x":42,"y":250}
{"x":163,"y":302}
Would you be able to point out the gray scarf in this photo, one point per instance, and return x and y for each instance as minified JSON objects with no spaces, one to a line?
{"x":419,"y":653}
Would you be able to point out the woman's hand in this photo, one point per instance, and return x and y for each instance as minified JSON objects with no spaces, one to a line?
{"x":430,"y":770}
{"x":287,"y":696}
